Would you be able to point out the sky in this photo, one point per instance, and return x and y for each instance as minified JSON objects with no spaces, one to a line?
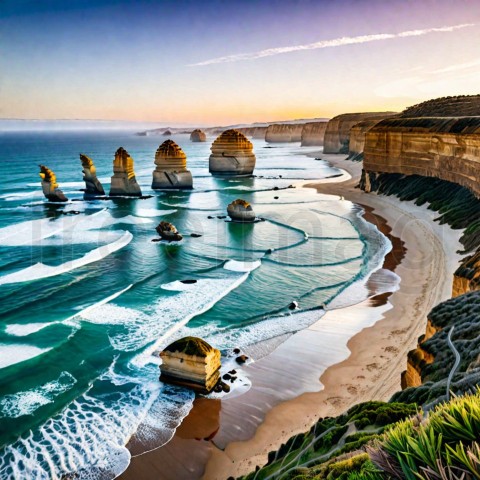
{"x":226,"y":62}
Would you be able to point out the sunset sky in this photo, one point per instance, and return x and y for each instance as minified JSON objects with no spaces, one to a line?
{"x":224,"y":62}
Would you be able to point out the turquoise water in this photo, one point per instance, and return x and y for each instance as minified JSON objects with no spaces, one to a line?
{"x":85,"y":299}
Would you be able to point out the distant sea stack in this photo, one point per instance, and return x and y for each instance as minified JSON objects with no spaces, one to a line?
{"x":123,"y":182}
{"x":313,"y":134}
{"x":283,"y":133}
{"x":232,"y":155}
{"x":93,"y":187}
{"x":337,"y":133}
{"x":168,"y":232}
{"x":191,"y":362}
{"x":241,"y":211}
{"x":171,"y":168}
{"x":50,"y":185}
{"x":198,"y":136}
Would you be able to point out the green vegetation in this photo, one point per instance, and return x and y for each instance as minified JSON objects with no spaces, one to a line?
{"x":467,"y":105}
{"x":443,"y":445}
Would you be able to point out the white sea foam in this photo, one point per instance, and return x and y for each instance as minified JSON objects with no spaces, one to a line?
{"x":26,"y":402}
{"x":21,"y":330}
{"x":13,"y":354}
{"x":40,"y":270}
{"x":236,"y":266}
{"x":88,"y":438}
{"x":153,"y":212}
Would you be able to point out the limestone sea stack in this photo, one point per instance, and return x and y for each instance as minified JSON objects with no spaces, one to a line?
{"x":168,"y":232}
{"x":171,"y":168}
{"x":241,"y":211}
{"x":50,"y":185}
{"x":191,"y":362}
{"x":93,"y":187}
{"x":198,"y":136}
{"x":123,"y":182}
{"x":232,"y":155}
{"x":313,"y":134}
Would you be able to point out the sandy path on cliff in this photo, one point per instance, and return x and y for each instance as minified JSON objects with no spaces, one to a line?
{"x":378,"y":353}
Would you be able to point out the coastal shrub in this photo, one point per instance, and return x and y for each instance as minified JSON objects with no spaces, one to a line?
{"x":447,"y":441}
{"x":343,"y":468}
{"x":330,"y":439}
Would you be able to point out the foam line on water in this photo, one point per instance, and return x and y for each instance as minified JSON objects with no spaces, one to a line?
{"x":153,"y":212}
{"x":17,"y":353}
{"x":22,"y":330}
{"x":236,"y":266}
{"x":25,"y":403}
{"x":40,"y":270}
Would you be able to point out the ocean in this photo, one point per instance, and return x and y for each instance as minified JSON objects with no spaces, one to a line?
{"x":87,"y":299}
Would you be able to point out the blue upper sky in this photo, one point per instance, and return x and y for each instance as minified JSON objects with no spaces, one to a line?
{"x":232,"y":61}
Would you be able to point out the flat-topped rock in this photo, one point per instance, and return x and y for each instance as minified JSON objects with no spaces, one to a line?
{"x":232,"y":155}
{"x":123,"y":181}
{"x":93,"y":187}
{"x":241,"y":211}
{"x":191,"y":362}
{"x":171,"y":168}
{"x":50,"y":186}
{"x":198,"y":136}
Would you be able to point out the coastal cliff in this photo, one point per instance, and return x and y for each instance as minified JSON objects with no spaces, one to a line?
{"x":337,"y":133}
{"x":356,"y":144}
{"x":313,"y":134}
{"x":445,"y":148}
{"x":254,"y":132}
{"x":282,"y":133}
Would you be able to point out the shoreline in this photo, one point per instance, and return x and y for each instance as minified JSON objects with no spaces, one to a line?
{"x":376,"y":354}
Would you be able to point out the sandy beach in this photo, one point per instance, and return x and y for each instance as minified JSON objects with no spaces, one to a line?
{"x":380,"y":331}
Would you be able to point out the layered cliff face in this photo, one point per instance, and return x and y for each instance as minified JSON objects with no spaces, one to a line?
{"x":93,"y":187}
{"x":198,"y":136}
{"x":282,"y":133}
{"x":50,"y":186}
{"x":313,"y":134}
{"x":191,"y":362}
{"x":254,"y":132}
{"x":356,"y":143}
{"x":123,"y":181}
{"x":232,"y":155}
{"x":337,"y":133}
{"x":171,"y":168}
{"x":446,"y":148}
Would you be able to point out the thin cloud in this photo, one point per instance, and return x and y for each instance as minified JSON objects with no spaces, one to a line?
{"x":337,"y":42}
{"x":459,"y":66}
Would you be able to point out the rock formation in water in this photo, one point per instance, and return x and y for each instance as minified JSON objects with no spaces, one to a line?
{"x":167,"y":132}
{"x":50,"y":185}
{"x":191,"y":362}
{"x":198,"y":136}
{"x":123,"y":181}
{"x":358,"y":133}
{"x":446,"y":148}
{"x":171,"y":168}
{"x":337,"y":133}
{"x":313,"y":134}
{"x":168,"y":232}
{"x":241,"y":211}
{"x":283,"y":133}
{"x":93,"y":187}
{"x":232,"y":155}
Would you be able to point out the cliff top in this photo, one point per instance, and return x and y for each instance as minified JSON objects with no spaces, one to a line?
{"x":191,"y":346}
{"x":457,"y":106}
{"x":463,"y":125}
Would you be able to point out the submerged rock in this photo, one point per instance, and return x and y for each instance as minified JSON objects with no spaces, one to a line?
{"x":168,"y":232}
{"x":191,"y":362}
{"x":50,"y":185}
{"x":232,"y":155}
{"x":293,"y":305}
{"x":171,"y":168}
{"x":198,"y":136}
{"x":93,"y":186}
{"x":241,"y":211}
{"x":123,"y":181}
